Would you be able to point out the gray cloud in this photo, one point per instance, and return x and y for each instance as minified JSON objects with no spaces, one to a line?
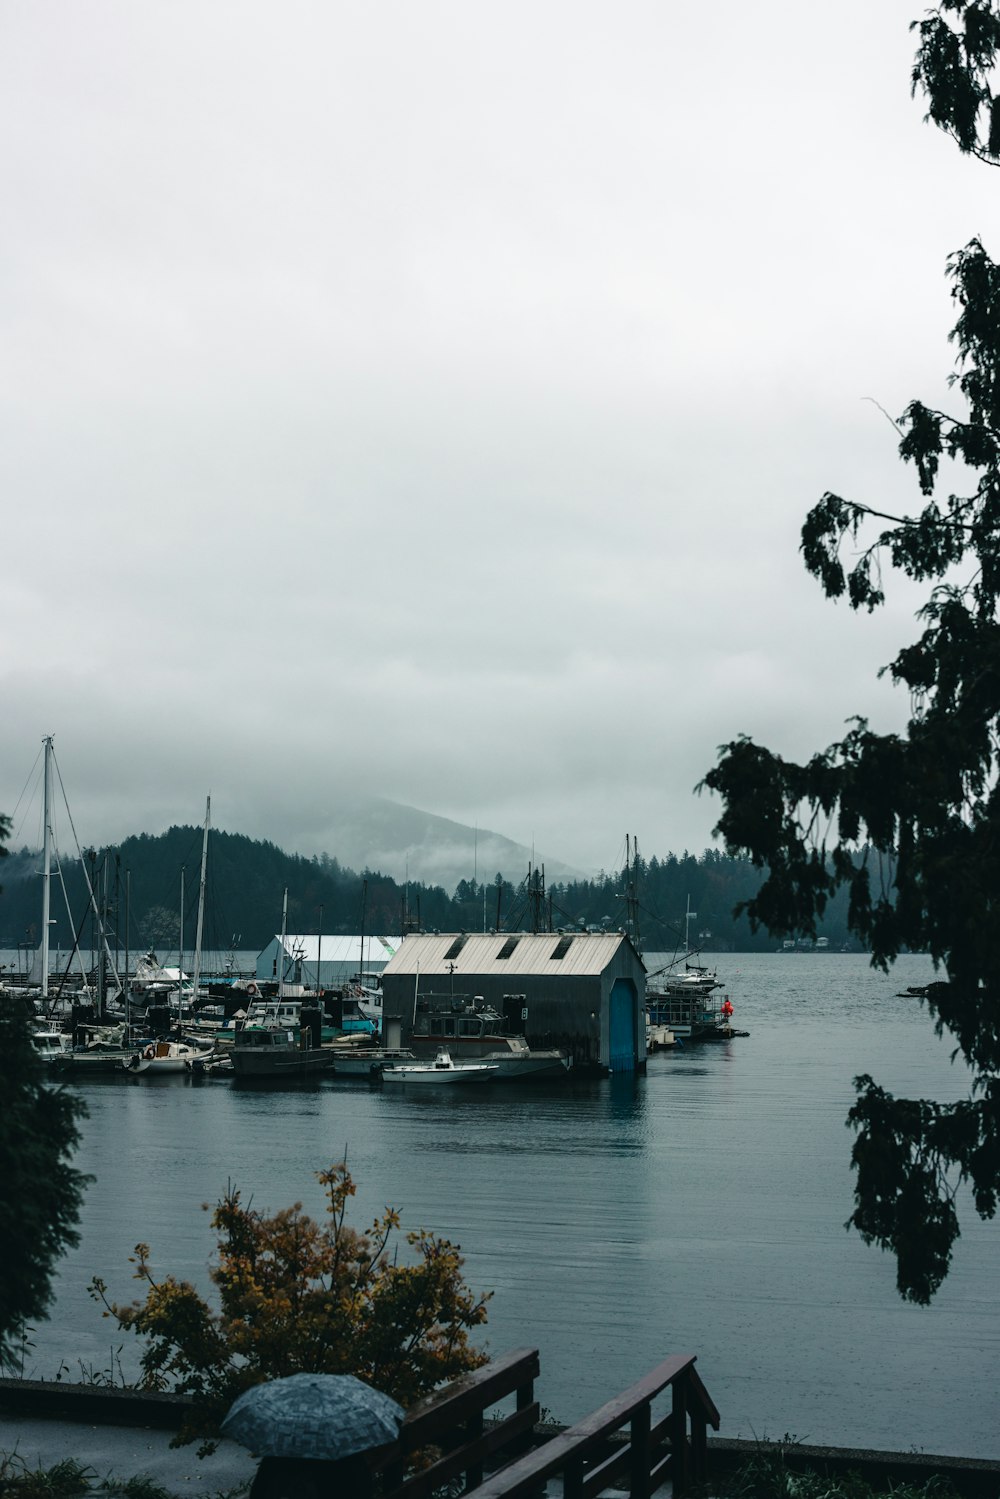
{"x":423,"y":401}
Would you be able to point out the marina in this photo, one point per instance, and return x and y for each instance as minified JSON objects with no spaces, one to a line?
{"x":699,"y":1206}
{"x":522,"y":1005}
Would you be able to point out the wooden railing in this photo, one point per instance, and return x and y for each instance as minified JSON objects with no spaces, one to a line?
{"x":453,"y":1423}
{"x":588,"y":1459}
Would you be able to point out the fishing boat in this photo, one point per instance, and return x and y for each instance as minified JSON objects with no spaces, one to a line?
{"x":276,"y":1052}
{"x":680,"y":1000}
{"x":442,"y":1070}
{"x":473,"y":1030}
{"x":687,"y":1006}
{"x":683,"y":1004}
{"x":272,"y":1048}
{"x":339,"y":1016}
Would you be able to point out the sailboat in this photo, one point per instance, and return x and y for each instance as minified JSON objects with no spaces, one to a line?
{"x":170,"y":1054}
{"x":41,"y":963}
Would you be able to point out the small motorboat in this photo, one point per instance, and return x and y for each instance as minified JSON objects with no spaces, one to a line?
{"x":442,"y":1070}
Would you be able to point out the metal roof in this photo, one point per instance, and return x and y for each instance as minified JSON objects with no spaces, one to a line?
{"x":337,"y":949}
{"x":528,"y":953}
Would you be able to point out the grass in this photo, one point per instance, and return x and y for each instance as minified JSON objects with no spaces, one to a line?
{"x":69,"y":1479}
{"x":63,"y":1478}
{"x":767,"y":1475}
{"x":139,"y":1487}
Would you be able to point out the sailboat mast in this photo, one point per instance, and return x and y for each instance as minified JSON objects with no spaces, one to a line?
{"x":281,"y":950}
{"x":127,"y":981}
{"x":319,"y":954}
{"x":46,"y":862}
{"x":635,"y":892}
{"x":180,"y":956}
{"x":201,"y":903}
{"x":363,"y":918}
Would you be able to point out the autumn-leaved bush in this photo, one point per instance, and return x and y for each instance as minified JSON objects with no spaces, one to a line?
{"x":296,"y":1295}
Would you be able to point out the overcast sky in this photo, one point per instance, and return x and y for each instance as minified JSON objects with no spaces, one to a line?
{"x":423,"y":399}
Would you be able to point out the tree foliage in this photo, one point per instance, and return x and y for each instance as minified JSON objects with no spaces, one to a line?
{"x":924,"y":806}
{"x":40,"y":1191}
{"x":299,"y":1296}
{"x":954,"y":68}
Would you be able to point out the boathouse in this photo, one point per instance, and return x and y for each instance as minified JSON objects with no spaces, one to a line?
{"x":582,"y":991}
{"x":324,"y":962}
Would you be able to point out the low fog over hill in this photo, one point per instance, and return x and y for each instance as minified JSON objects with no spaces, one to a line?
{"x":406,"y":843}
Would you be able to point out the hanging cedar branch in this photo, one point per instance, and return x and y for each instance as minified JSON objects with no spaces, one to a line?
{"x":910,"y":824}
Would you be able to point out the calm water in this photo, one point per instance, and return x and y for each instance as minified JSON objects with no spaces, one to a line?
{"x":699,"y":1208}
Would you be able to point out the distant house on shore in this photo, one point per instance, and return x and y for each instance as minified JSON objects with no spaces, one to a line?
{"x":582,"y":991}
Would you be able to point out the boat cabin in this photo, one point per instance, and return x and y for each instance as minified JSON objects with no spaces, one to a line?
{"x":469,"y":1023}
{"x":263,"y":1037}
{"x":50,"y":1044}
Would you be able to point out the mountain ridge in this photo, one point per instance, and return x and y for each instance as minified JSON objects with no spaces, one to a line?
{"x":376,"y":833}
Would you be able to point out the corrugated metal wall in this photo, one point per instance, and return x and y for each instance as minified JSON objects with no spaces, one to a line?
{"x":567,"y":1010}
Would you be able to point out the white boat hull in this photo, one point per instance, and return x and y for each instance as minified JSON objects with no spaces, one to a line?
{"x":161,"y":1058}
{"x":474,"y":1072}
{"x":441,"y":1070}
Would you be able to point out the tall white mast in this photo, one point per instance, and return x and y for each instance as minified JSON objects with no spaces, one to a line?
{"x":201,"y":903}
{"x":319,"y":953}
{"x":687,"y":924}
{"x":180,"y":957}
{"x":46,"y":862}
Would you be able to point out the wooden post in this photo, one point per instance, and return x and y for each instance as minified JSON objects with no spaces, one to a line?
{"x":640,"y":1452}
{"x":525,"y":1397}
{"x":474,"y":1429}
{"x":699,"y":1445}
{"x":678,"y":1438}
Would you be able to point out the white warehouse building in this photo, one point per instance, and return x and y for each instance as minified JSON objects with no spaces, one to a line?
{"x":324,"y":962}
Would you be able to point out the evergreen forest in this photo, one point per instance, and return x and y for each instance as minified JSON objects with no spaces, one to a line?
{"x":145,"y":884}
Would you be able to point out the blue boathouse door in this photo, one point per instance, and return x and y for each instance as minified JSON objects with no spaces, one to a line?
{"x":622,"y":1036}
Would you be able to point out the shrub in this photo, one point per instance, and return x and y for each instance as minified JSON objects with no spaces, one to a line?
{"x":300,"y":1296}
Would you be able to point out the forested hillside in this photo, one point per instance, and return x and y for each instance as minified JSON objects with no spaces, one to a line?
{"x":139,"y":884}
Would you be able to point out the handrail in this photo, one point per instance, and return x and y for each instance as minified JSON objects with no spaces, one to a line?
{"x":452,"y":1419}
{"x":653,"y":1452}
